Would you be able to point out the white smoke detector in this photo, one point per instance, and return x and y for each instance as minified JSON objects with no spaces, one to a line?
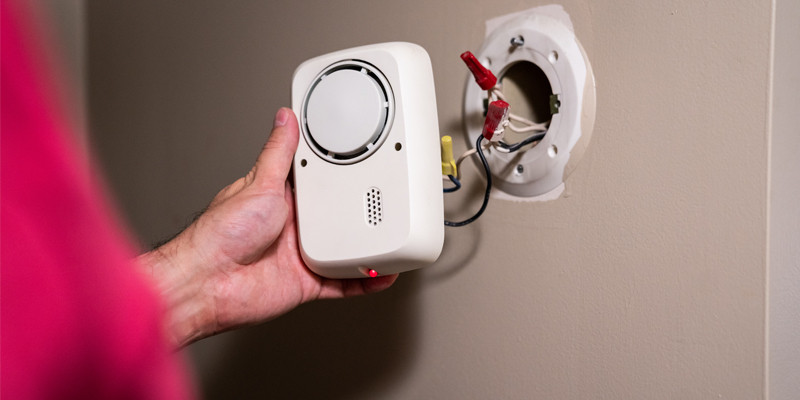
{"x":367,"y":170}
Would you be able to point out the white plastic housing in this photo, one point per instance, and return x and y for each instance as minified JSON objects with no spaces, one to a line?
{"x":367,"y":171}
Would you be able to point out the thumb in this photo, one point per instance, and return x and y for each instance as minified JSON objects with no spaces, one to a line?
{"x":275,"y":161}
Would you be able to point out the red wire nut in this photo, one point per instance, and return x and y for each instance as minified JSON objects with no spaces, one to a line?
{"x":485,"y":78}
{"x":496,"y":117}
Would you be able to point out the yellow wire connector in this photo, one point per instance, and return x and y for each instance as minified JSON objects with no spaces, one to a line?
{"x":448,"y":162}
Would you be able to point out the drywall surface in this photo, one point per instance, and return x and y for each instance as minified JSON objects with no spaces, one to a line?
{"x":69,"y":26}
{"x":784,"y":208}
{"x":646,"y":280}
{"x":66,"y":32}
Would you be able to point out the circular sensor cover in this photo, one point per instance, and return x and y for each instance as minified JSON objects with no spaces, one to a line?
{"x":347,"y":112}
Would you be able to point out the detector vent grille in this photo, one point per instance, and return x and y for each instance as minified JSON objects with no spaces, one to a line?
{"x":373,"y":206}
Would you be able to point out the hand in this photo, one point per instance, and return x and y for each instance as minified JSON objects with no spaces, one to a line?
{"x":239,"y":263}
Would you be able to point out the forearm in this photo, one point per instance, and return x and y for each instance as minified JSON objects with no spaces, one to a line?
{"x":184,"y":290}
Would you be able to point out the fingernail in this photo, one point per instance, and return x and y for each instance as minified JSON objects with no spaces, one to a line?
{"x":281,"y":117}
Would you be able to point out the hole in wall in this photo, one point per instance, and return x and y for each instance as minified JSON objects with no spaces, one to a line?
{"x":528,"y":90}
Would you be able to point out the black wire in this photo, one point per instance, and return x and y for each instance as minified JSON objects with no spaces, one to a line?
{"x":488,"y":188}
{"x":516,"y":146}
{"x":456,"y":182}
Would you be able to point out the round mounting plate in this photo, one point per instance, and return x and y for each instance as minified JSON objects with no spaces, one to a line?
{"x":552,"y":46}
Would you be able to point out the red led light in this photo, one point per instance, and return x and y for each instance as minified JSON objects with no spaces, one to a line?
{"x":373,"y":273}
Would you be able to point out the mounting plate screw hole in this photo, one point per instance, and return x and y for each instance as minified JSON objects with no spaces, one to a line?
{"x":398,"y":146}
{"x":552,"y":151}
{"x":520,"y":169}
{"x":303,"y":163}
{"x":552,"y":57}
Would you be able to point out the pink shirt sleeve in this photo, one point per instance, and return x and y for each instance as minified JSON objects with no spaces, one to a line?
{"x":76,"y":320}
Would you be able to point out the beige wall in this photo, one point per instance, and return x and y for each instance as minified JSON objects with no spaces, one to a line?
{"x":646,"y":280}
{"x":784,"y":208}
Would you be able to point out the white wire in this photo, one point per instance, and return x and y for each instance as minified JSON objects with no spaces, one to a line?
{"x":525,"y":129}
{"x":530,"y":125}
{"x":528,"y":122}
{"x":497,"y":93}
{"x":461,"y":159}
{"x":472,"y":152}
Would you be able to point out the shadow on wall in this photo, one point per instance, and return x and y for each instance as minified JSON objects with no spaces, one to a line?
{"x":332,"y":349}
{"x":460,"y":246}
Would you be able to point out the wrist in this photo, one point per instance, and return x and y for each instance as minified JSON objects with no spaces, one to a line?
{"x":178,"y":272}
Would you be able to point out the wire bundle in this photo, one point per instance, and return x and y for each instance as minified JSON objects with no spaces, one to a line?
{"x":530,"y":126}
{"x":488,"y":188}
